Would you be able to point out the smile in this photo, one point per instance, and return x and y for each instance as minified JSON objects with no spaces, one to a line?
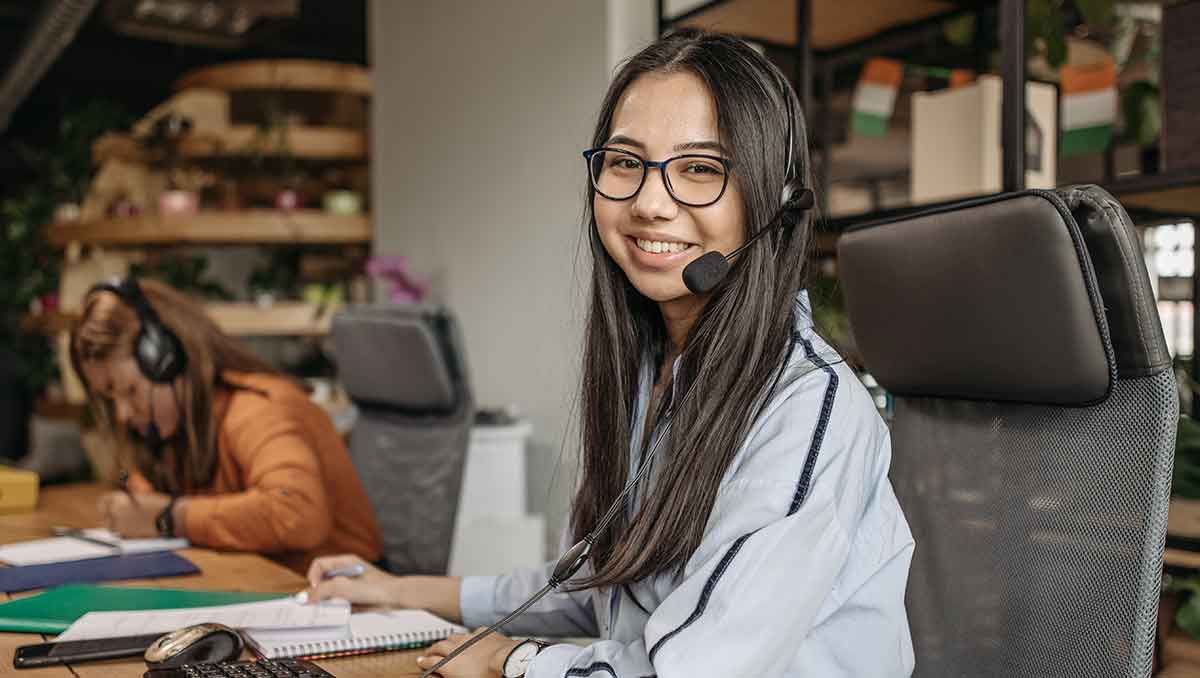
{"x":661,"y":246}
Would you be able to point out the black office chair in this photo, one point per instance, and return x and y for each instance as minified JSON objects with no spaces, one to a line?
{"x":1034,"y":429}
{"x":403,"y":368}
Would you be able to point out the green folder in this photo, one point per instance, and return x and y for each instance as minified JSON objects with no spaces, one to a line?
{"x":54,"y":610}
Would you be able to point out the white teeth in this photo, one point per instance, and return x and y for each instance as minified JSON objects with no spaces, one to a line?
{"x":658,"y":246}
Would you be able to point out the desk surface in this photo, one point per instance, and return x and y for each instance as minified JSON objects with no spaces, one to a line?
{"x":75,"y":506}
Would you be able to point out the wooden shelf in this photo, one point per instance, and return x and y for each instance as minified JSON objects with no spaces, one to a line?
{"x":240,"y":226}
{"x":58,"y":410}
{"x":240,"y":319}
{"x":1180,"y":648}
{"x":306,"y":142}
{"x":281,"y":74}
{"x":1180,"y":669}
{"x":1183,"y":518}
{"x":281,"y":319}
{"x":49,"y":323}
{"x":835,"y":24}
{"x":1169,"y":193}
{"x":1181,"y":558}
{"x":241,"y":141}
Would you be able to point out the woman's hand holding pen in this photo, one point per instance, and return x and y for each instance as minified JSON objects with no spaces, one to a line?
{"x":354,"y":579}
{"x":132,"y":518}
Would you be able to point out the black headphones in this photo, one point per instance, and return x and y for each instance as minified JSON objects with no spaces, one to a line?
{"x":158,"y":352}
{"x":795,"y":198}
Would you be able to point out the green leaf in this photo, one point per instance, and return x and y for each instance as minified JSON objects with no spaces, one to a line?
{"x":1188,"y":616}
{"x":1097,"y":13}
{"x":960,"y":31}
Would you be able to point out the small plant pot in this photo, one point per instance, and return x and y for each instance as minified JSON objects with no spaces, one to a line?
{"x":264,"y":298}
{"x":178,"y":203}
{"x":346,"y":203}
{"x":289,"y":199}
{"x":66,"y":213}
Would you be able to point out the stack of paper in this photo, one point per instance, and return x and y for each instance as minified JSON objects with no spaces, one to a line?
{"x":99,"y":543}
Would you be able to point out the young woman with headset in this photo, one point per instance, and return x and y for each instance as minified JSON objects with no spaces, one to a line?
{"x":218,"y":447}
{"x":762,"y":538}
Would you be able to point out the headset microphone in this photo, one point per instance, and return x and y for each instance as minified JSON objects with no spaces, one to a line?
{"x":710,"y":268}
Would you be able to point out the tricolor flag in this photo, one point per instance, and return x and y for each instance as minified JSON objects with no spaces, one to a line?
{"x":875,"y":96}
{"x":1089,"y":107}
{"x":961,"y":77}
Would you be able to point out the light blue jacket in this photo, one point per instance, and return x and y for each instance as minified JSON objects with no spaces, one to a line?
{"x":801,"y":570}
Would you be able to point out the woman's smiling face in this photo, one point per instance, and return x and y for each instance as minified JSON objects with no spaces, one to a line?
{"x":651,"y":236}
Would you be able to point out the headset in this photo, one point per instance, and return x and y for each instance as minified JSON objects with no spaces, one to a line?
{"x":795,"y":199}
{"x":157,"y":350}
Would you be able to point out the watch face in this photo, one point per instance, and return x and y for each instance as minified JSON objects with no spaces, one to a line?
{"x":520,"y":658}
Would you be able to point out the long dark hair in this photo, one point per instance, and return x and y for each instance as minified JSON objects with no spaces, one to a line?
{"x":737,"y":347}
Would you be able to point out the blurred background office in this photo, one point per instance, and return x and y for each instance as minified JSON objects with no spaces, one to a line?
{"x":283,"y":160}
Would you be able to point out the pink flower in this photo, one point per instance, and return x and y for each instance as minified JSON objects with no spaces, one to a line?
{"x":406,"y":287}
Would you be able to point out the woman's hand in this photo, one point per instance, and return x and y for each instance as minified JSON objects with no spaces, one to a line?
{"x":485,"y":659}
{"x":372,"y":587}
{"x":132,"y":517}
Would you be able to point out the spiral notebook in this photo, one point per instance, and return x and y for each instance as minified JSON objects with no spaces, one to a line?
{"x":367,"y":632}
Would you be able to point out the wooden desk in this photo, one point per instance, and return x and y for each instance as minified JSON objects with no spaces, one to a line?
{"x":75,"y":506}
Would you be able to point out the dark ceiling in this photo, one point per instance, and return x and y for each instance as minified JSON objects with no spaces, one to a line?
{"x":138,"y":74}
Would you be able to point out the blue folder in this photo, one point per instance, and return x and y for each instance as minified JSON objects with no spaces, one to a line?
{"x":112,"y":568}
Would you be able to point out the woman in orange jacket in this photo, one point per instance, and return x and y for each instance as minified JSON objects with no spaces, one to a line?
{"x":220,"y":448}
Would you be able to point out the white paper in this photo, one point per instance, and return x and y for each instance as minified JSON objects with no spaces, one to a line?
{"x":368,"y":628}
{"x":66,"y":549}
{"x":137,"y":545}
{"x":284,"y":613}
{"x":55,"y":550}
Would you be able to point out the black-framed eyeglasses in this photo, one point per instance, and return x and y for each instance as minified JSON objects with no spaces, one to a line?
{"x":693,"y":179}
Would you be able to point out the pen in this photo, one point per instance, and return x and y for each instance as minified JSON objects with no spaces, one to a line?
{"x":123,"y":483}
{"x":76,"y":533}
{"x":351,"y":571}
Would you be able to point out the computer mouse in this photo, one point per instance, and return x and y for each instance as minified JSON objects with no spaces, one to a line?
{"x":199,"y":644}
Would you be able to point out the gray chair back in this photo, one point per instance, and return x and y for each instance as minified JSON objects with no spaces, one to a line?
{"x":403,"y":367}
{"x":1034,"y":429}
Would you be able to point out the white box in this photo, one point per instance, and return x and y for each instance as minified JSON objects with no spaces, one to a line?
{"x":493,"y":533}
{"x":956,"y":150}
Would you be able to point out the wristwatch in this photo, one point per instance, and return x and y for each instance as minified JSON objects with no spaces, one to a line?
{"x":165,"y":522}
{"x":518,"y":660}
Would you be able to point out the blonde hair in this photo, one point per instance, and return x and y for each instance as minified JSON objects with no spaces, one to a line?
{"x":107,"y":331}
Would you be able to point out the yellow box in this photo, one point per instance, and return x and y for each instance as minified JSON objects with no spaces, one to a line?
{"x":18,"y":490}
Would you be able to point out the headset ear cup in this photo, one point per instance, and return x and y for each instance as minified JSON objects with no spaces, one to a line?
{"x":788,"y":189}
{"x":159,"y":354}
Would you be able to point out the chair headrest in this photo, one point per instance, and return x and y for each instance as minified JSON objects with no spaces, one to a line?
{"x":402,"y":358}
{"x":993,"y":299}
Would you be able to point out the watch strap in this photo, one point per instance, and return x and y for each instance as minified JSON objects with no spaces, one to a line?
{"x":165,"y":522}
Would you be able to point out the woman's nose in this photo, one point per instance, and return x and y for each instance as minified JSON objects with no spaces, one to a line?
{"x":122,"y":411}
{"x":653,"y":201}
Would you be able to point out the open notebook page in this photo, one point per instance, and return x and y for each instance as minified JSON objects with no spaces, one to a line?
{"x":331,"y":616}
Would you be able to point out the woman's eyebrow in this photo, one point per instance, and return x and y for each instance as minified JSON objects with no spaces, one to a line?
{"x":703,"y":146}
{"x":628,"y":141}
{"x":686,"y":146}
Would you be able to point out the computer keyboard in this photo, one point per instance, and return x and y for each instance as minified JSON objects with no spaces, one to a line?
{"x":265,"y":668}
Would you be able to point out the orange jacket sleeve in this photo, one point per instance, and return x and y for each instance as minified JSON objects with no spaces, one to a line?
{"x":284,"y":507}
